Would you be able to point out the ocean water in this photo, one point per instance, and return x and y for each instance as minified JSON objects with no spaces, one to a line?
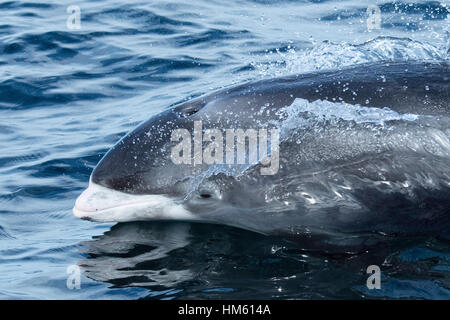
{"x":67,"y":95}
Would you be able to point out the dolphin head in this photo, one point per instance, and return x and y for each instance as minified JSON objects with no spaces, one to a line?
{"x":138,"y":179}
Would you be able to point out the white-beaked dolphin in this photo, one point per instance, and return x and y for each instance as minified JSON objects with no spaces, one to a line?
{"x":365,"y":148}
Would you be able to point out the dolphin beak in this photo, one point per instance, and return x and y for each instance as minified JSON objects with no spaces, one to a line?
{"x":101,"y":204}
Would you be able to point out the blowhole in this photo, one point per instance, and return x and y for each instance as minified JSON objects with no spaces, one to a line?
{"x":205,"y":195}
{"x":190,"y":108}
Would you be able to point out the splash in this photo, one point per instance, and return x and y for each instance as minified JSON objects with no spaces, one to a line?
{"x":329,"y":55}
{"x":302,"y":114}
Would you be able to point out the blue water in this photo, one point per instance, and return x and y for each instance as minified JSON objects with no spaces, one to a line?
{"x":66,"y":96}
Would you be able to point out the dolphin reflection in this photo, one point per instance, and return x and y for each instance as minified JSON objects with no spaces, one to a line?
{"x":204,"y":260}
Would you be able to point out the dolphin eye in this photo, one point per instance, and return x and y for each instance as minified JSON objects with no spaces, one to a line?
{"x":205,"y":195}
{"x":208,"y":191}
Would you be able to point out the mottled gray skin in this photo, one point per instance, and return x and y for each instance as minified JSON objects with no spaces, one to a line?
{"x":342,"y":178}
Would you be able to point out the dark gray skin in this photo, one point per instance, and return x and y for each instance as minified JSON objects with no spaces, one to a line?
{"x":343,"y":177}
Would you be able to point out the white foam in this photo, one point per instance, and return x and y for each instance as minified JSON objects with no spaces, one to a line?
{"x":323,"y":110}
{"x":302,"y":114}
{"x":329,"y":55}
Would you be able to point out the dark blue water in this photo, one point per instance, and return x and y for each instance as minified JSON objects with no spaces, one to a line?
{"x":66,"y":96}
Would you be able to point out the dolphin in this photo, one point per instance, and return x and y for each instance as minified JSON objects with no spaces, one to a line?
{"x":362,"y":149}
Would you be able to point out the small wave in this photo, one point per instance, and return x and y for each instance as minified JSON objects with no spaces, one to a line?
{"x":141,"y":16}
{"x":431,"y":10}
{"x":328,"y":55}
{"x":5,"y":234}
{"x":24,"y":94}
{"x":20,"y":4}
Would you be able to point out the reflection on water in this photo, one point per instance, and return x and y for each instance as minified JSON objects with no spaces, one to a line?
{"x":191,"y":260}
{"x":129,"y":254}
{"x":195,"y":258}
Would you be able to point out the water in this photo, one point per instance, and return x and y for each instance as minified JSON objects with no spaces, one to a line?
{"x":66,"y":96}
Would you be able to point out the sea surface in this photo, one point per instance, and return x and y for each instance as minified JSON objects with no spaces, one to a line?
{"x":67,"y":94}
